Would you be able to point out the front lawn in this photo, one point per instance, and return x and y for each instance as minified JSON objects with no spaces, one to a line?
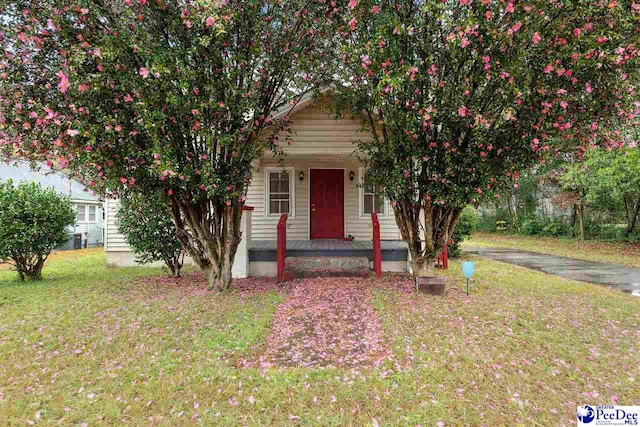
{"x":108,"y":346}
{"x":625,"y":253}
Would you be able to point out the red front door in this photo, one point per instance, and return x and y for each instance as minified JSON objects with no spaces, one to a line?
{"x":327,"y":203}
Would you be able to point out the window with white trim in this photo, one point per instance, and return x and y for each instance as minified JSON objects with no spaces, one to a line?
{"x":81,"y":213}
{"x":92,"y":213}
{"x":279,"y":191}
{"x":371,"y":197}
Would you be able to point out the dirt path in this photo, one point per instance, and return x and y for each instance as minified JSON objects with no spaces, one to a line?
{"x":326,"y":322}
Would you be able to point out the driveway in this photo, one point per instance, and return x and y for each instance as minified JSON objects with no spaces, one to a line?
{"x":626,"y":279}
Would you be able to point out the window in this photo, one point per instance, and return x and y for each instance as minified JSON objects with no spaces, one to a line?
{"x":92,"y":213}
{"x":81,"y":213}
{"x":372,"y":198}
{"x":279,"y":191}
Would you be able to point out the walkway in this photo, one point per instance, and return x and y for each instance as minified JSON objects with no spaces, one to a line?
{"x":326,"y":322}
{"x":626,"y":279}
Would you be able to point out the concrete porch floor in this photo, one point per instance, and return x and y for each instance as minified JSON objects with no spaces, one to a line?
{"x":265,"y":250}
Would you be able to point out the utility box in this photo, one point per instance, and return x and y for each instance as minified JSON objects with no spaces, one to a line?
{"x":77,"y":241}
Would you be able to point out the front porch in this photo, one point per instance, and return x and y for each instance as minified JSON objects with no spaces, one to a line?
{"x":263,"y":254}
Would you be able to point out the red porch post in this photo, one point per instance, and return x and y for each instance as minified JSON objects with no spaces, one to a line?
{"x":443,"y":257}
{"x":377,"y":251}
{"x":282,"y":246}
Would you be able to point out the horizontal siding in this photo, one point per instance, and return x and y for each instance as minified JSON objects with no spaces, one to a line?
{"x":318,"y":140}
{"x":114,"y":240}
{"x":316,"y":131}
{"x":263,"y":227}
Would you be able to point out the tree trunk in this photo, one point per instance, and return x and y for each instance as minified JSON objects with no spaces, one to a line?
{"x":423,"y":267}
{"x":632,"y":214}
{"x":30,"y":268}
{"x":439,"y":223}
{"x":580,"y":212}
{"x":209,"y":231}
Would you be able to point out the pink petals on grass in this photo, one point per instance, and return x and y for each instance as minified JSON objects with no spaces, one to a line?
{"x":194,"y":284}
{"x":326,"y":322}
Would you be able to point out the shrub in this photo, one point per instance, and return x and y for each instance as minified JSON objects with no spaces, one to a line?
{"x":556,"y":228}
{"x":467,"y":224}
{"x":146,"y":223}
{"x":33,"y":221}
{"x":530,"y":227}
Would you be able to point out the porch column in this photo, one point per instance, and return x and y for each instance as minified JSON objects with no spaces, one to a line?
{"x":240,"y":267}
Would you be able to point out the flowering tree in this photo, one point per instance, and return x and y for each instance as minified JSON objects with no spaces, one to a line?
{"x":460,"y":95}
{"x":179,"y":97}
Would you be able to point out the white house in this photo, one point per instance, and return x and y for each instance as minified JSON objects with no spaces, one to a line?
{"x":89,"y":227}
{"x":329,"y":212}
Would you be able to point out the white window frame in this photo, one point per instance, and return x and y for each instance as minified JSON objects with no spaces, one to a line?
{"x":95,"y":213}
{"x":385,"y":202}
{"x":84,"y":213}
{"x":292,"y":191}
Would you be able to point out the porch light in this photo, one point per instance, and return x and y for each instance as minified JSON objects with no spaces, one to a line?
{"x":301,"y":176}
{"x":352,"y":176}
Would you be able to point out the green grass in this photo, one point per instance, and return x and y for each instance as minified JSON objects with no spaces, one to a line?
{"x":95,"y":345}
{"x":625,"y":253}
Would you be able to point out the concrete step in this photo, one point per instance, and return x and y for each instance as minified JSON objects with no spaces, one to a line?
{"x":327,"y":266}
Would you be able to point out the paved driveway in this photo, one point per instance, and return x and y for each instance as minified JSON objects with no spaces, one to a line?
{"x":627,"y":279}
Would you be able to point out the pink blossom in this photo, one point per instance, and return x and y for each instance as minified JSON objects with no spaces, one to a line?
{"x":143,"y":72}
{"x":353,"y":4}
{"x":352,"y":24}
{"x":72,"y":132}
{"x":463,"y":111}
{"x":210,"y":21}
{"x":537,"y":38}
{"x":64,"y":82}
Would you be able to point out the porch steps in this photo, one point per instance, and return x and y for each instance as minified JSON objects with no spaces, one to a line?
{"x":326,"y":266}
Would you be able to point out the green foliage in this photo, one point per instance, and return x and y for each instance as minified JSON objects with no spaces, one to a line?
{"x":467,"y":224}
{"x":146,"y":222}
{"x":612,"y":181}
{"x":33,"y":222}
{"x":530,"y":227}
{"x":178,"y":97}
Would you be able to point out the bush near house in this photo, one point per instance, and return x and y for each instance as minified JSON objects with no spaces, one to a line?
{"x":467,"y":224}
{"x":147,"y":225}
{"x":33,"y":221}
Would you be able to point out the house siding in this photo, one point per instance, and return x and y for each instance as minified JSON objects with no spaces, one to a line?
{"x":263,"y":226}
{"x":114,"y":241}
{"x":318,"y":140}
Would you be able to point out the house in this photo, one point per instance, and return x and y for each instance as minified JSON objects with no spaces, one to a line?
{"x":320,"y":186}
{"x":89,"y":228}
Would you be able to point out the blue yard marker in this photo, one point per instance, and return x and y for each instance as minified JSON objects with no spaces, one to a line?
{"x":468,"y":268}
